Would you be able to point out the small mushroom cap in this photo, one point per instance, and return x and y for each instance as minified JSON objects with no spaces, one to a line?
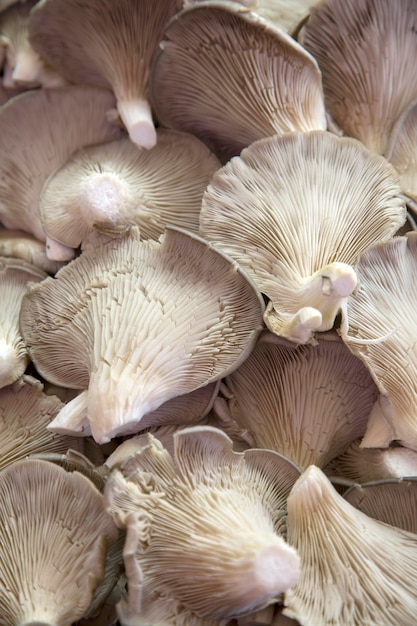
{"x":141,"y":323}
{"x":345,"y":38}
{"x":39,"y":131}
{"x":230,"y":77}
{"x":106,"y":43}
{"x":116,"y":185}
{"x":279,"y":199}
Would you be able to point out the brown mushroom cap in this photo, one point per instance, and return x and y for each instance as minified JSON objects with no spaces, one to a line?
{"x":54,"y":531}
{"x":106,"y":43}
{"x":116,"y":185}
{"x":230,"y":77}
{"x":140,"y":323}
{"x":296,"y":211}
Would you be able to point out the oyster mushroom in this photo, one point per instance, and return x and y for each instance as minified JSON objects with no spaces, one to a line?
{"x":54,"y":532}
{"x":116,"y":185}
{"x":230,"y":77}
{"x":21,"y":245}
{"x":39,"y":131}
{"x":296,"y":211}
{"x":145,"y":322}
{"x":203,"y":527}
{"x":105,"y":43}
{"x":402,"y":152}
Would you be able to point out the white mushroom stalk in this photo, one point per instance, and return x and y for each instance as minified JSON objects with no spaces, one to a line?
{"x":230,"y":77}
{"x":141,"y":323}
{"x":296,"y":211}
{"x":380,"y":329}
{"x":106,"y":43}
{"x":203,"y":527}
{"x":354,"y":569}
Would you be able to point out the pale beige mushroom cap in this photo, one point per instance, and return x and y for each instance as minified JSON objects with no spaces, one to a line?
{"x":54,"y":531}
{"x":14,"y":278}
{"x":106,"y":43}
{"x":140,"y":323}
{"x":381,"y":326}
{"x":402,"y":151}
{"x":230,"y":77}
{"x":306,"y":402}
{"x":203,"y":526}
{"x":39,"y":132}
{"x":296,"y":211}
{"x":365,"y":50}
{"x":116,"y":185}
{"x":354,"y":569}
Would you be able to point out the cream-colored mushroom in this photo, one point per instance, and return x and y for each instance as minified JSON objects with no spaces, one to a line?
{"x":296,"y":211}
{"x":21,"y":245}
{"x":402,"y":152}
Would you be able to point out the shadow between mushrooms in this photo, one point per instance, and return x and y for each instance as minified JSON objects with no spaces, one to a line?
{"x":139,"y":323}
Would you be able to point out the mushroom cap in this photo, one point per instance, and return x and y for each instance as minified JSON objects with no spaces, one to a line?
{"x":366,"y":88}
{"x":140,"y":323}
{"x":116,"y":185}
{"x":54,"y":532}
{"x":230,"y":77}
{"x":306,"y":402}
{"x":105,"y":43}
{"x":402,"y":151}
{"x":354,"y":570}
{"x":39,"y":131}
{"x":380,"y":328}
{"x":15,"y":275}
{"x":206,"y":524}
{"x":296,"y":211}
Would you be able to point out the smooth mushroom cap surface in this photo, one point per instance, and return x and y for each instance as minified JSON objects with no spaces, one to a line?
{"x":140,"y":323}
{"x":15,"y":275}
{"x":39,"y":131}
{"x":296,"y":211}
{"x":54,"y":531}
{"x":230,"y":77}
{"x":106,"y":43}
{"x":367,"y":87}
{"x":380,"y":328}
{"x":354,"y":569}
{"x":203,"y":526}
{"x":306,"y":402}
{"x":116,"y":185}
{"x":402,"y":151}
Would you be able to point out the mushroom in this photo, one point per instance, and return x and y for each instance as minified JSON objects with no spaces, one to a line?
{"x":380,"y":328}
{"x":105,"y":43}
{"x":402,"y":153}
{"x":21,"y":245}
{"x":363,"y":48}
{"x":230,"y":77}
{"x":140,"y":322}
{"x":115,"y":185}
{"x":14,"y":278}
{"x":39,"y":131}
{"x":307,"y":403}
{"x":295,"y":211}
{"x":203,"y":528}
{"x":354,"y":570}
{"x":54,"y":531}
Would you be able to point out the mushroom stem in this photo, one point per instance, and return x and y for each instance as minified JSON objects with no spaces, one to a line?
{"x":101,"y":200}
{"x":298,"y":328}
{"x":27,"y":68}
{"x":137,"y":117}
{"x":56,"y":251}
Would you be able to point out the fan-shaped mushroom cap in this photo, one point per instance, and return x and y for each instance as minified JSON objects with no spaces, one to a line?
{"x":230,"y":77}
{"x":354,"y":569}
{"x":295,"y":211}
{"x":140,"y":323}
{"x":21,"y":245}
{"x":380,"y":328}
{"x":25,"y":412}
{"x":369,"y":464}
{"x":115,"y":185}
{"x":14,"y":278}
{"x":54,"y":532}
{"x":39,"y":131}
{"x":305,"y":402}
{"x":402,"y":150}
{"x":366,"y":87}
{"x":203,"y":527}
{"x":105,"y":43}
{"x":393,"y":502}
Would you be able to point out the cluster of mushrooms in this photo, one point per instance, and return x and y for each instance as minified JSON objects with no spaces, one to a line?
{"x":208,"y":320}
